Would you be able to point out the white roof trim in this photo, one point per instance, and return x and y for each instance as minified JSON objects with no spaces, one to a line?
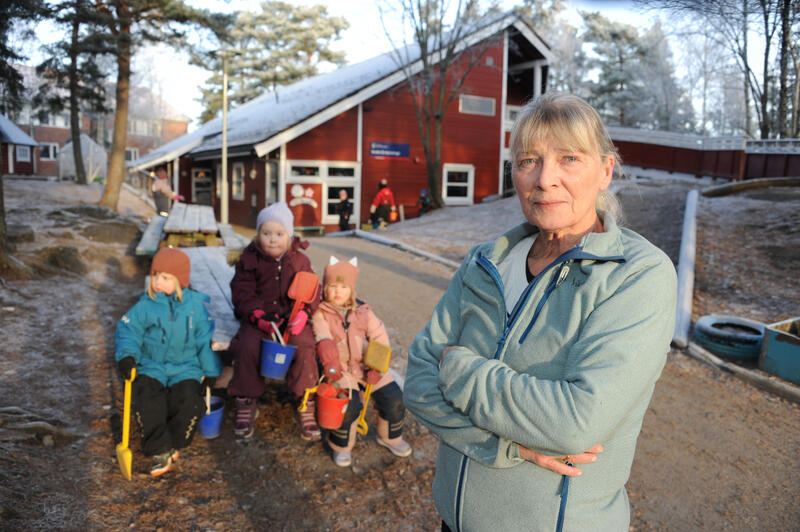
{"x":529,"y":34}
{"x":377,"y":87}
{"x":167,"y":157}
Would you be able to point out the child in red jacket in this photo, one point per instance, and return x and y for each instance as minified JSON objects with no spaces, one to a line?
{"x":259,"y":292}
{"x":343,"y":325}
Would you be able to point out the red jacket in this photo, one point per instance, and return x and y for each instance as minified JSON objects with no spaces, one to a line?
{"x":384,"y":197}
{"x":261,"y":282}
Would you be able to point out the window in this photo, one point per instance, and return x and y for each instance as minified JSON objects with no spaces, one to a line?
{"x":24,"y":154}
{"x":131,"y":154}
{"x":305,"y":171}
{"x":457,"y":184}
{"x":333,"y":198}
{"x":511,"y":114}
{"x":49,"y":151}
{"x":475,"y":105}
{"x":201,"y":186}
{"x":237,"y":182}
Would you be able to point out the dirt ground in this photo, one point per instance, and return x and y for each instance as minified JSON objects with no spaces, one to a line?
{"x":715,"y":453}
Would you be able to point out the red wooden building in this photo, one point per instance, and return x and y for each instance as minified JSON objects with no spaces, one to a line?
{"x":17,"y":149}
{"x":351,"y":128}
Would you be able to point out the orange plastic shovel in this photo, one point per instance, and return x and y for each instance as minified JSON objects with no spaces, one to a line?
{"x":124,"y":455}
{"x":303,"y":290}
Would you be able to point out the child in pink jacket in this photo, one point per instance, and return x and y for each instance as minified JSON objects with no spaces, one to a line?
{"x":343,"y":326}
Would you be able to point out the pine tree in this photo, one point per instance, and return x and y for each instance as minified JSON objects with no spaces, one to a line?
{"x":280,"y":45}
{"x":72,"y":77}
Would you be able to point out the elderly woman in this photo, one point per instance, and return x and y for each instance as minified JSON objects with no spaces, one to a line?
{"x":548,"y":342}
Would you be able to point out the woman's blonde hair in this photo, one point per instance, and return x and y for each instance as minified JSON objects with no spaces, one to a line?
{"x":178,"y":291}
{"x":570,"y":123}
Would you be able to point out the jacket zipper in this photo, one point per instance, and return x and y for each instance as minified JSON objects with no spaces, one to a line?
{"x":508,"y":323}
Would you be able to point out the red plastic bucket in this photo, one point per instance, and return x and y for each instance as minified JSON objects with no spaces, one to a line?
{"x":275,"y":359}
{"x":331,"y":406}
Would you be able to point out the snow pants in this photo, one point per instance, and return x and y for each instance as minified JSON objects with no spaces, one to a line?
{"x":245,"y":349}
{"x":167,"y":415}
{"x":389,"y":404}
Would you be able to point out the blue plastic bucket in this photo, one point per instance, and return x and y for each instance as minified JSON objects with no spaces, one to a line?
{"x":211,"y":423}
{"x":275,"y":359}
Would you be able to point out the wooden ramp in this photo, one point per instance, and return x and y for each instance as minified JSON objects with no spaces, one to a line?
{"x":212,"y":276}
{"x":148,"y":245}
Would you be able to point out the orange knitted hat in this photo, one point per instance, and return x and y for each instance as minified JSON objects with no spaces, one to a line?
{"x":174,"y":261}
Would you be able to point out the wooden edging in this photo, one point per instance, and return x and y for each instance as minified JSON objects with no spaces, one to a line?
{"x":770,"y":384}
{"x":730,"y":188}
{"x":686,"y":271}
{"x":394,"y":243}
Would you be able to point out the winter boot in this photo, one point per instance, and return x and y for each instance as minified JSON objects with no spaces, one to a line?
{"x":163,"y":462}
{"x":307,"y":421}
{"x":246,"y":414}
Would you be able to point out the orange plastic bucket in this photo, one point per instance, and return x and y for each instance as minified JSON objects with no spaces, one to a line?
{"x":331,"y":406}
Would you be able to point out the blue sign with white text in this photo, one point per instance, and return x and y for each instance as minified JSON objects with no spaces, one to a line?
{"x":396,"y":150}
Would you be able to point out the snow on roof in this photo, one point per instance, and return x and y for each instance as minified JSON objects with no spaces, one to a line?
{"x":11,"y":134}
{"x":276,"y":111}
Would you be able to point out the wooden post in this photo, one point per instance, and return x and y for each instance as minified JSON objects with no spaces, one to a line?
{"x":686,"y":271}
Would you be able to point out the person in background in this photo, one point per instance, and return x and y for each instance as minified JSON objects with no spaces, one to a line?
{"x":424,"y":202}
{"x":162,"y":192}
{"x":382,"y":205}
{"x":166,"y":336}
{"x":547,"y":344}
{"x":344,"y":209}
{"x":343,"y":325}
{"x":260,"y":297}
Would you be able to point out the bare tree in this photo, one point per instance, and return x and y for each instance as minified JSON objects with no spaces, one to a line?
{"x":435,"y":66}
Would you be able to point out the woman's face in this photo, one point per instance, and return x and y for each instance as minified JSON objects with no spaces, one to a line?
{"x":273,"y":239}
{"x":558,"y":188}
{"x":337,"y":293}
{"x":162,"y":282}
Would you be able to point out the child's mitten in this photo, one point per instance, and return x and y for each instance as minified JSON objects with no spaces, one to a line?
{"x":329,"y":356}
{"x":298,"y":322}
{"x":262,"y":320}
{"x":125,"y":366}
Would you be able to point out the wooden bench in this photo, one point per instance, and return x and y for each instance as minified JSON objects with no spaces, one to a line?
{"x":151,"y":238}
{"x":310,"y":228}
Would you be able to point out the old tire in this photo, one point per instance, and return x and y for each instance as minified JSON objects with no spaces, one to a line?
{"x":730,"y":336}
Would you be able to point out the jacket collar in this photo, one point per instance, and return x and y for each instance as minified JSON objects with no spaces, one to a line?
{"x":597,"y":246}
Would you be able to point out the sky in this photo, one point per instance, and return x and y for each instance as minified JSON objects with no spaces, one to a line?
{"x":168,"y":73}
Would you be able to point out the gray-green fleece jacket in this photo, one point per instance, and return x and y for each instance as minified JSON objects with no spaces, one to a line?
{"x":572,"y":365}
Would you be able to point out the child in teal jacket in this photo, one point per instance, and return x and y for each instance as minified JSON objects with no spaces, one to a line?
{"x":166,"y":336}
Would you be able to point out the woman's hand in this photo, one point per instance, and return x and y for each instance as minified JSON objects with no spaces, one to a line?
{"x":445,"y":351}
{"x":557,"y":464}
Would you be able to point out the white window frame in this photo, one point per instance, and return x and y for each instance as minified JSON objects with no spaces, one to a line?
{"x":237,"y":172}
{"x":470,"y":185}
{"x":509,"y":119}
{"x":462,"y":98}
{"x":328,"y":182}
{"x":196,"y":171}
{"x":23,"y":153}
{"x":134,"y":153}
{"x":53,"y":148}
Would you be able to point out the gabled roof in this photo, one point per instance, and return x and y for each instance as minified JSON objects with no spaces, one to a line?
{"x":279,"y":116}
{"x":11,"y":134}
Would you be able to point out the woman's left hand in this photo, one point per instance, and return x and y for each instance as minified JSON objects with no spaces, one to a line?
{"x":558,"y":464}
{"x":445,"y":351}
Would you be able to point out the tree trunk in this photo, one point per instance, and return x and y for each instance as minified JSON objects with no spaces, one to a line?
{"x":116,"y":168}
{"x":747,"y":118}
{"x":783,"y":94}
{"x":765,"y":123}
{"x":3,"y":237}
{"x":435,"y":166}
{"x":74,"y":119}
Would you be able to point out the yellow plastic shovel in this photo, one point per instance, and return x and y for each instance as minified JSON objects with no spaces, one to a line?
{"x":376,"y":357}
{"x":124,"y":455}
